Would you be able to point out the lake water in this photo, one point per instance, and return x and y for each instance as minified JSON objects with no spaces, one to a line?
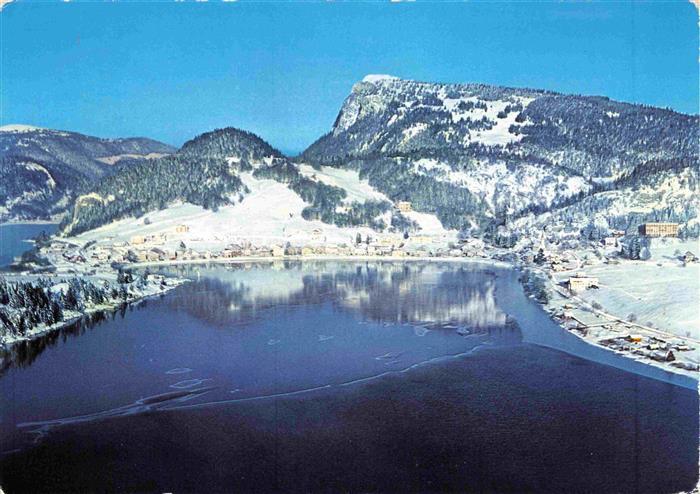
{"x":13,"y":239}
{"x":335,"y":377}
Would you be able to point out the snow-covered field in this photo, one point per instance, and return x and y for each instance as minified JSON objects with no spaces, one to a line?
{"x":661,"y":293}
{"x":269,"y":215}
{"x":664,"y":297}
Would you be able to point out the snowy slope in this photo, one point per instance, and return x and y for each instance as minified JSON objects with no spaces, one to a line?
{"x":663,"y":296}
{"x":269,"y":214}
{"x":357,"y":189}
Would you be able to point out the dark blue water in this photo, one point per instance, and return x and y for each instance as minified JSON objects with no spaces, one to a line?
{"x":327,"y":377}
{"x":13,"y":239}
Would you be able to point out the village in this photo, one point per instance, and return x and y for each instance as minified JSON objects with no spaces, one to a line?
{"x":565,"y":263}
{"x":577,"y":298}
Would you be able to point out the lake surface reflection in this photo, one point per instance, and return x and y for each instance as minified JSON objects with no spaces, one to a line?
{"x":327,"y":376}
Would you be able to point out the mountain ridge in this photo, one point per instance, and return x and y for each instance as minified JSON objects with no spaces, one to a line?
{"x":476,"y":156}
{"x":396,"y":132}
{"x":41,"y":169}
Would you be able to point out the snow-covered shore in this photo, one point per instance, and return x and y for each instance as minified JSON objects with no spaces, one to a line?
{"x":134,"y":294}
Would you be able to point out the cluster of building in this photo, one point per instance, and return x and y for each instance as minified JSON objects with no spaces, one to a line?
{"x":652,"y":347}
{"x":171,"y":247}
{"x":659,"y":229}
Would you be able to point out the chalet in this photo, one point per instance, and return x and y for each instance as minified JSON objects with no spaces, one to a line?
{"x":398,"y":253}
{"x":233,"y":250}
{"x":689,"y":257}
{"x":659,"y":229}
{"x":137,"y":240}
{"x":306,"y":251}
{"x":156,"y":254}
{"x":182,"y":229}
{"x":317,"y":234}
{"x":582,"y":282}
{"x":383,"y":250}
{"x":331,"y":250}
{"x":277,"y":251}
{"x":404,"y":206}
{"x":663,"y":356}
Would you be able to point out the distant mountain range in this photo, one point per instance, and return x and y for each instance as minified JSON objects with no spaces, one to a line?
{"x":41,"y":170}
{"x":478,"y":157}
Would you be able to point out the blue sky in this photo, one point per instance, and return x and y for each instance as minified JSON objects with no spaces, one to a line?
{"x":282,"y":70}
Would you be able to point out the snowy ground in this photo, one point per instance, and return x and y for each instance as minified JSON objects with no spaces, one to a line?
{"x":269,"y":215}
{"x":664,"y":297}
{"x":660,"y":296}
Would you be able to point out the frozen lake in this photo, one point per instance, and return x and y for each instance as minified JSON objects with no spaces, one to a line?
{"x":339,"y":376}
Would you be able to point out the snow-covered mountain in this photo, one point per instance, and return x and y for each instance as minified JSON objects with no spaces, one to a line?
{"x":42,"y":169}
{"x":232,"y":179}
{"x":476,"y":154}
{"x":468,"y":157}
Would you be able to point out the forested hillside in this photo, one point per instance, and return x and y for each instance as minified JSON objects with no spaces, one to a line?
{"x":152,"y":185}
{"x":478,"y":157}
{"x":42,"y":170}
{"x":207,"y":172}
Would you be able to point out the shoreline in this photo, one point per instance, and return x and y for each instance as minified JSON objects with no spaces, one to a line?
{"x":37,"y":333}
{"x":245,"y":259}
{"x":29,"y":222}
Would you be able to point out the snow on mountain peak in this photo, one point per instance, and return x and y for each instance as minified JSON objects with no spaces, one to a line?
{"x":19,"y":128}
{"x":374,"y":78}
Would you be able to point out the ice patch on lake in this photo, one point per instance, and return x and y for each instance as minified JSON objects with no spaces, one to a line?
{"x":420,"y":331}
{"x":147,"y":404}
{"x":323,"y":337}
{"x":179,"y":370}
{"x":188,"y":383}
{"x":272,"y":341}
